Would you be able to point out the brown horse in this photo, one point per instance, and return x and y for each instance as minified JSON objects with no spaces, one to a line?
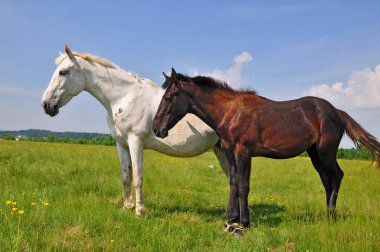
{"x":249,"y":125}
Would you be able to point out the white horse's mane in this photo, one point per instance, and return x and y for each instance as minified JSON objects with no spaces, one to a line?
{"x":101,"y":61}
{"x":88,"y":57}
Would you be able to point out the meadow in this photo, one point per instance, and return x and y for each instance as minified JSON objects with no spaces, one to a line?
{"x":68,"y":197}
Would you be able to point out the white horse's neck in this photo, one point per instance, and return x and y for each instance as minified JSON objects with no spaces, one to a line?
{"x":110,"y":85}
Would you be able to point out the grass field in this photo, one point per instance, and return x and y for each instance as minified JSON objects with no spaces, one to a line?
{"x":67,"y":197}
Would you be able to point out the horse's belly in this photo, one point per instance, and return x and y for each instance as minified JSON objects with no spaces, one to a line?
{"x":190,"y":137}
{"x":286,"y":139}
{"x":282,"y":151}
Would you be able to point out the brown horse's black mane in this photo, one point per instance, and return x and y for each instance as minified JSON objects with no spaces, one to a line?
{"x":209,"y":81}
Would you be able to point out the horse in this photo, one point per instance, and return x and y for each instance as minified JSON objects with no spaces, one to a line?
{"x":131,"y":103}
{"x":249,"y":125}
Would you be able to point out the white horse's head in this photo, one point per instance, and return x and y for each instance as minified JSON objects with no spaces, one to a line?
{"x":68,"y":80}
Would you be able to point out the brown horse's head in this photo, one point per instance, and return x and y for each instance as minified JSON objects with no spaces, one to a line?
{"x":173,"y":106}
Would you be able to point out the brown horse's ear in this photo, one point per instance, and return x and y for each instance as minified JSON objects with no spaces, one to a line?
{"x":174,"y":76}
{"x":166,"y":77}
{"x":68,"y":52}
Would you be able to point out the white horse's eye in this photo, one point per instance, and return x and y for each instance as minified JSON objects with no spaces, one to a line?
{"x":63,"y":72}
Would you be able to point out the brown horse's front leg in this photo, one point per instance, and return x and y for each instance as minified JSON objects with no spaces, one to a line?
{"x":233,"y":211}
{"x":243,"y":163}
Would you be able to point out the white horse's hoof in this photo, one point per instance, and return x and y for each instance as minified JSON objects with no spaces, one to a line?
{"x":128,"y":204}
{"x":125,"y":209}
{"x":140,"y":210}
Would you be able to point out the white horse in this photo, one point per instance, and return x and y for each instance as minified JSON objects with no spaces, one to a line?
{"x":131,"y":103}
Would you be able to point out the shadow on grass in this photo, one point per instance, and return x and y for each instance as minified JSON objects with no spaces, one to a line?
{"x":270,"y":215}
{"x":267,"y":214}
{"x":313,"y":217}
{"x":208,"y":214}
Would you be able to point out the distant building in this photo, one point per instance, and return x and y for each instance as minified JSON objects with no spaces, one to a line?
{"x":21,"y":137}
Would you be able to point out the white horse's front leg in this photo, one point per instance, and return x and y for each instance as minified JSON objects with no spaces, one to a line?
{"x":126,"y":169}
{"x":136,"y":151}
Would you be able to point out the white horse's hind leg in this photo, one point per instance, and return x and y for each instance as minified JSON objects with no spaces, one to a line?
{"x":125,"y":161}
{"x":136,"y":151}
{"x":222,"y":158}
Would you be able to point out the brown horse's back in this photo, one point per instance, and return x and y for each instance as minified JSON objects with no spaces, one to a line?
{"x":286,"y":129}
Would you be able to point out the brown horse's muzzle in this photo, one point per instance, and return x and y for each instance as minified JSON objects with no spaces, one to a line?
{"x":161,"y":133}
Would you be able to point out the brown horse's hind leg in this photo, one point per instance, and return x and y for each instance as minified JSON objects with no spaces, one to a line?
{"x":220,"y":153}
{"x":331,"y":175}
{"x":313,"y":154}
{"x":336,"y":178}
{"x":334,"y":175}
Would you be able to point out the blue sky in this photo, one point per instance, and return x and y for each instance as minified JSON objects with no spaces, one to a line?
{"x":282,"y":49}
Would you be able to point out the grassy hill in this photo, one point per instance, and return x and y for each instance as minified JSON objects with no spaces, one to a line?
{"x":68,"y":198}
{"x":44,"y":133}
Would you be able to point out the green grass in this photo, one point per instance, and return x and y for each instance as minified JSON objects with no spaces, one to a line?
{"x":185,"y":200}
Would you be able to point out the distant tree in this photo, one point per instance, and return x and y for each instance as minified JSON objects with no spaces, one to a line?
{"x":66,"y":140}
{"x":9,"y":137}
{"x":81,"y":141}
{"x":364,"y":153}
{"x":354,"y":153}
{"x":50,"y":138}
{"x":108,"y":140}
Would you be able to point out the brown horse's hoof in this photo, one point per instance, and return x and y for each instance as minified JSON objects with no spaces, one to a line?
{"x":332,"y":214}
{"x":234,"y":229}
{"x":238,"y":233}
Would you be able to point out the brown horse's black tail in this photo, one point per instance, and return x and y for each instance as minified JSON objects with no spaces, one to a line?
{"x":360,"y":136}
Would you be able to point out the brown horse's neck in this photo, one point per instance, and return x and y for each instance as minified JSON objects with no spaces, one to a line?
{"x":209,"y":105}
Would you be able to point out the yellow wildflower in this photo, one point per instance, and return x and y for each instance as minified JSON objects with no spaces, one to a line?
{"x":33,"y":203}
{"x":46,"y":203}
{"x":14,"y":209}
{"x":8,"y":202}
{"x":14,"y":202}
{"x":20,"y":212}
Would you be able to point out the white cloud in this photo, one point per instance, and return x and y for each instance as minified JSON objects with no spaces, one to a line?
{"x":360,"y":97}
{"x":233,"y":75}
{"x":361,"y":91}
{"x":193,"y":71}
{"x":242,"y":58}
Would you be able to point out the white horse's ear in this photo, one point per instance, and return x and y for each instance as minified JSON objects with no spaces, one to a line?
{"x":68,"y":52}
